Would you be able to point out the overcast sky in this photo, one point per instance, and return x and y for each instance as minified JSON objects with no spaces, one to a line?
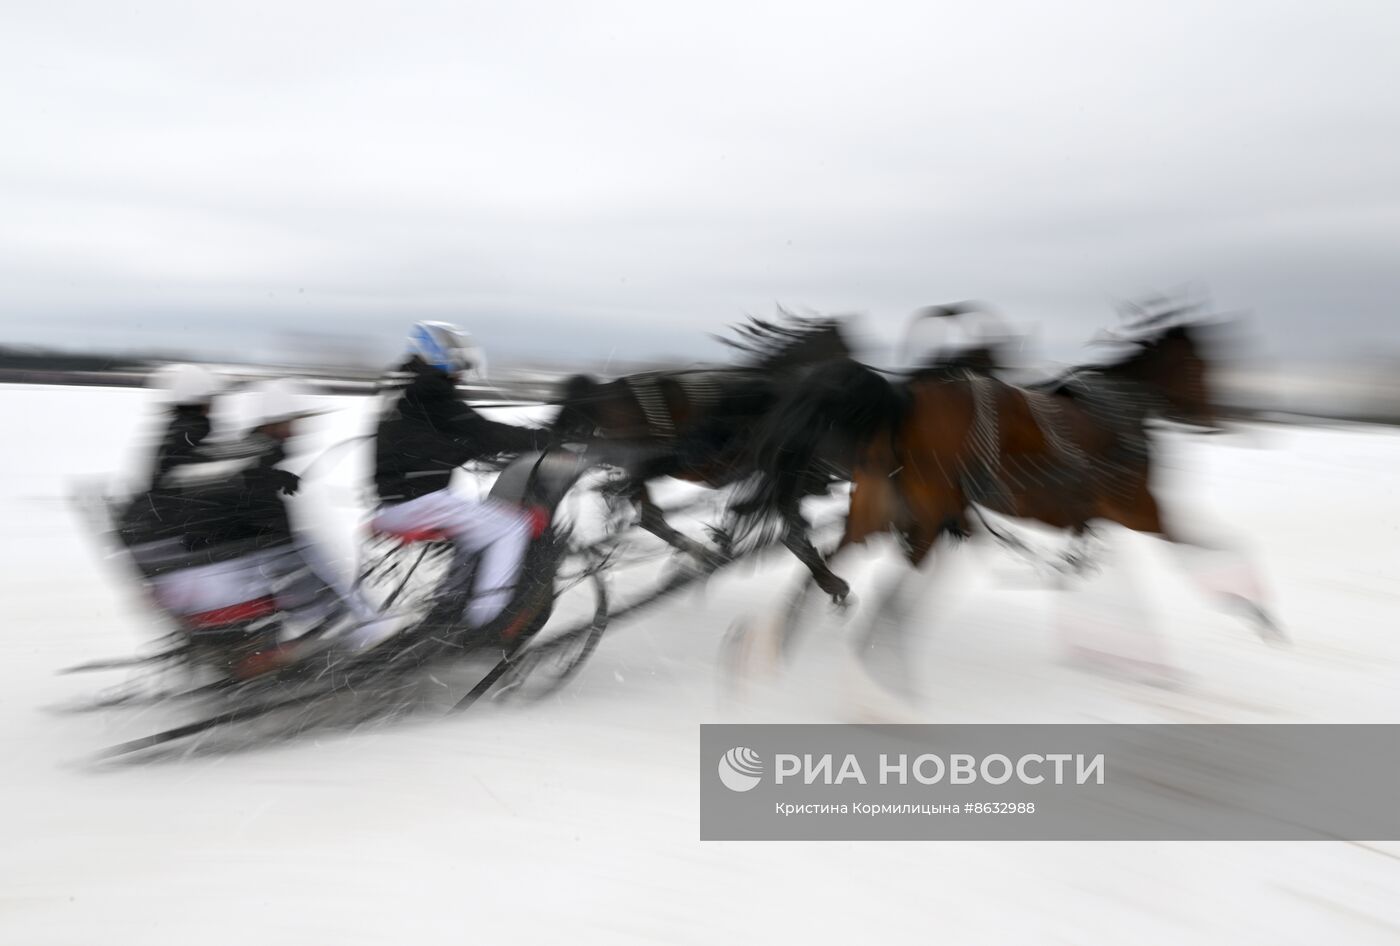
{"x":589,"y":177}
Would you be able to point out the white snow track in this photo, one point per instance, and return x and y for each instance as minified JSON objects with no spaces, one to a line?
{"x":575,"y":820}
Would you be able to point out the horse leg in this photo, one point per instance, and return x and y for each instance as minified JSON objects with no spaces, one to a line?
{"x":874,"y":508}
{"x":884,"y":684}
{"x":869,"y":513}
{"x":797,"y":541}
{"x":1102,"y":620}
{"x":763,"y":644}
{"x":769,"y":641}
{"x":1080,"y":556}
{"x":923,"y":512}
{"x":788,"y":627}
{"x":1236,"y":586}
{"x":882,"y":644}
{"x":652,"y":520}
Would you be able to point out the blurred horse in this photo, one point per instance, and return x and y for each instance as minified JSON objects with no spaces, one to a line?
{"x":928,"y":449}
{"x":697,"y":424}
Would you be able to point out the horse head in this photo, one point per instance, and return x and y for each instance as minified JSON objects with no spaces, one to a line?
{"x":576,"y":397}
{"x":1175,"y":363}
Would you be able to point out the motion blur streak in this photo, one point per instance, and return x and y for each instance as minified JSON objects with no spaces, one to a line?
{"x":600,"y":777}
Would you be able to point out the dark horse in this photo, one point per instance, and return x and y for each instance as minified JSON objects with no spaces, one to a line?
{"x":696,"y":424}
{"x":927,"y":450}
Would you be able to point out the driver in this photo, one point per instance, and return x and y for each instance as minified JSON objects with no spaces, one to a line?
{"x":427,"y":432}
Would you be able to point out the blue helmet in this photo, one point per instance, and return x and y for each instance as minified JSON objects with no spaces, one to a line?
{"x":444,"y":347}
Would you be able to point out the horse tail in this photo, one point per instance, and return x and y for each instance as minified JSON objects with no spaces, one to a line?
{"x":831,"y":412}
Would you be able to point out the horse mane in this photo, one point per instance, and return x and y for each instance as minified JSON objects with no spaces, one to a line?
{"x":1148,"y":322}
{"x":788,"y":340}
{"x":1138,"y":348}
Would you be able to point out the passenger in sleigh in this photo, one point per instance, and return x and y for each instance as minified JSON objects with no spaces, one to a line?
{"x":217,"y":547}
{"x":154,"y":514}
{"x":189,"y":395}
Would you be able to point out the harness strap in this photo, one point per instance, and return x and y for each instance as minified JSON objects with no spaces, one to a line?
{"x":985,"y":439}
{"x":1045,"y":409}
{"x":647,"y":390}
{"x":700,"y":387}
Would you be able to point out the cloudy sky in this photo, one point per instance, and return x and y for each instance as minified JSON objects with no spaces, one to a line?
{"x":587,"y":178}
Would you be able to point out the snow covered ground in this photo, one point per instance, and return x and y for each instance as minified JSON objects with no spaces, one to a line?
{"x":576,"y":820}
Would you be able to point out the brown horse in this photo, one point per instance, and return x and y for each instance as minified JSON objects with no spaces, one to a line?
{"x":696,"y":424}
{"x":927,"y":451}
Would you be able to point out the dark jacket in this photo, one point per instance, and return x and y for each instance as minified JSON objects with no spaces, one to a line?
{"x":189,"y":427}
{"x":224,"y":495}
{"x":159,"y":512}
{"x":429,"y":431}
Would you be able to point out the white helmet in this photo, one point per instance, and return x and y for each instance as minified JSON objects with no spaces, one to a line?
{"x":447,"y":348}
{"x":280,"y":400}
{"x":185,"y":385}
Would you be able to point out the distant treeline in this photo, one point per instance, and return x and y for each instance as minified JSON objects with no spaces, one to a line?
{"x":42,"y":366}
{"x":30,"y":359}
{"x":1368,"y":396}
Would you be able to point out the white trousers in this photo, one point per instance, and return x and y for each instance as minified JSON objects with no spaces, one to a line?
{"x":497,"y":532}
{"x":223,"y":584}
{"x":295,"y":575}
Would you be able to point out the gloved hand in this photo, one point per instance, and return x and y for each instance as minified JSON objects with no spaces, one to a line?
{"x":287,"y":483}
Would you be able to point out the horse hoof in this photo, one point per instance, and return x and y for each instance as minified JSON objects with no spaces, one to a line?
{"x":724,"y":542}
{"x":1269,"y":630}
{"x":837,"y":588}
